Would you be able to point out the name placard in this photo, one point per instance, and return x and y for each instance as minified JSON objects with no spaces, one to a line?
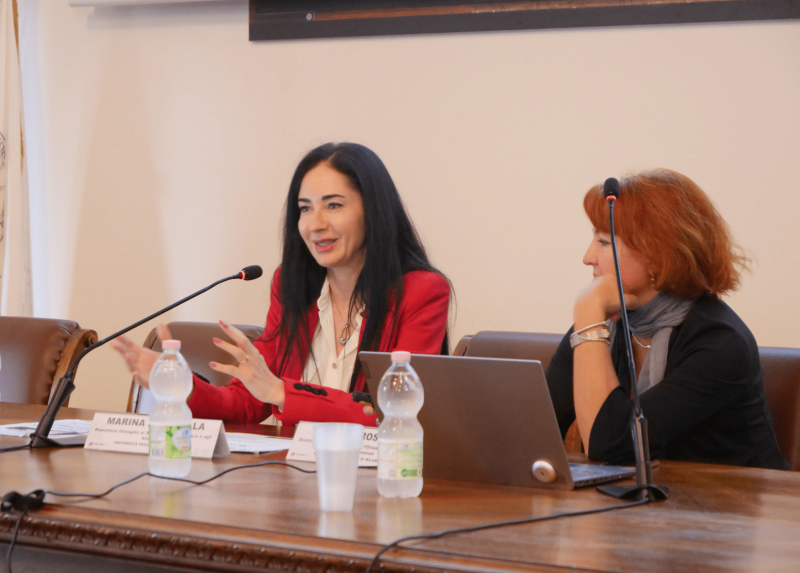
{"x":302,"y":448}
{"x":130,"y":433}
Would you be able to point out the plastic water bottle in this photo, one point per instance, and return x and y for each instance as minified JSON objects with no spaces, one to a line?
{"x":170,"y":418}
{"x":400,"y":397}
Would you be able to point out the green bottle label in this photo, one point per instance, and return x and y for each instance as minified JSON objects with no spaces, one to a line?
{"x":399,"y":461}
{"x":171,"y":442}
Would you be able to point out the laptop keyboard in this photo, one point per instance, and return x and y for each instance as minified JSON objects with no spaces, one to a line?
{"x":588,"y":474}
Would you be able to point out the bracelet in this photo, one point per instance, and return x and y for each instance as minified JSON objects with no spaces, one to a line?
{"x":595,"y":336}
{"x":606,"y":323}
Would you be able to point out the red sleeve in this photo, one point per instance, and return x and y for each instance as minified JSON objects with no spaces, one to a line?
{"x":235,"y":403}
{"x":312,"y":403}
{"x":421,"y":327}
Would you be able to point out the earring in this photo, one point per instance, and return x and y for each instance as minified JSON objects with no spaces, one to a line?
{"x":652,"y":280}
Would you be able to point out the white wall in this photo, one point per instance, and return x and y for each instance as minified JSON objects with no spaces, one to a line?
{"x":164,"y":141}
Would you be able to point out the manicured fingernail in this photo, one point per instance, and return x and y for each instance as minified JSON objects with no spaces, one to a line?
{"x":223,"y":323}
{"x":217,"y":341}
{"x":212,"y":364}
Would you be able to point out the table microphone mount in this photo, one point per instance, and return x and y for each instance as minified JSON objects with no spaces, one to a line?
{"x":644,"y":488}
{"x":65,"y":386}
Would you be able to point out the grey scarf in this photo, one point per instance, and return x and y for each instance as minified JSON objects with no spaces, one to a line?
{"x":657,"y":318}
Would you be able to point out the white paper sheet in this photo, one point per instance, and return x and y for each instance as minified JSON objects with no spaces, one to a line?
{"x":237,"y":442}
{"x":60,"y":428}
{"x":255,"y":444}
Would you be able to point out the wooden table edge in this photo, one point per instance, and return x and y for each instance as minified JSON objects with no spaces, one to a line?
{"x":111,"y":534}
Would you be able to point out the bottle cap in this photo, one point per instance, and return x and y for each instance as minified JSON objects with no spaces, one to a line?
{"x":401,"y":356}
{"x":171,"y":344}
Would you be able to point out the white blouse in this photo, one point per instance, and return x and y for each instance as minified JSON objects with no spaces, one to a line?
{"x":324,"y":367}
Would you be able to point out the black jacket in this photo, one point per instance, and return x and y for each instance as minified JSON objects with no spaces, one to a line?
{"x":710,"y":406}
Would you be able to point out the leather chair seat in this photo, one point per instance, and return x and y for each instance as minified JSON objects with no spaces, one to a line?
{"x":35,"y":353}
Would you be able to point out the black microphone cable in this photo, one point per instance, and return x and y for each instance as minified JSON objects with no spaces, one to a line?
{"x":34,"y":500}
{"x":15,"y":448}
{"x":439,"y":534}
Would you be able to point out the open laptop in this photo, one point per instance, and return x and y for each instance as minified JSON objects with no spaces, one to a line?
{"x":490,"y":420}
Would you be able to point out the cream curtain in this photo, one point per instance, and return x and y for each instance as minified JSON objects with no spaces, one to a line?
{"x":16,"y":297}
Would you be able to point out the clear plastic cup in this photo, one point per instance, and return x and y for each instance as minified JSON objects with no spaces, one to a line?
{"x":338,"y":447}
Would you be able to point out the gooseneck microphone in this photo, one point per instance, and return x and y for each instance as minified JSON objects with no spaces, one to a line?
{"x":644,"y":488}
{"x":65,"y":386}
{"x":246,"y":274}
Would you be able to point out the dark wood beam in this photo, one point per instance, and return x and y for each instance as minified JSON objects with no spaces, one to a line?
{"x":306,"y":19}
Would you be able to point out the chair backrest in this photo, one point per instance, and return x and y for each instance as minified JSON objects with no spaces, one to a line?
{"x":782,"y":387}
{"x":198,"y":349}
{"x":35,"y":353}
{"x":516,"y":345}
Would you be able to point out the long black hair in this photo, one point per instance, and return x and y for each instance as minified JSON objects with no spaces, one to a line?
{"x":392,"y":246}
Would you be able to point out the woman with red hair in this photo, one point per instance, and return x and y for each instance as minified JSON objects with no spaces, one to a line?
{"x":697,"y":363}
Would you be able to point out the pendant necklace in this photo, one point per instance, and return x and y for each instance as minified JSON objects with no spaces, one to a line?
{"x":344,"y":335}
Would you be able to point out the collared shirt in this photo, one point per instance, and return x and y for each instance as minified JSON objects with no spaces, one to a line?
{"x":324,"y":366}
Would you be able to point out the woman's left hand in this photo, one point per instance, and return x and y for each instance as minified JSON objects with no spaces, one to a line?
{"x":252,"y":370}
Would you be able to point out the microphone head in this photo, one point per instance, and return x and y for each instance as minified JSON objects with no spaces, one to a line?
{"x":250,"y":273}
{"x":611,"y":188}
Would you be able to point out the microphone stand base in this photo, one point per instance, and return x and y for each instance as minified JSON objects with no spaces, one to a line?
{"x":44,"y":442}
{"x":653,"y":492}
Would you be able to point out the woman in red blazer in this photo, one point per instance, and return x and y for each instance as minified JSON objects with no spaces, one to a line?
{"x":354,"y":276}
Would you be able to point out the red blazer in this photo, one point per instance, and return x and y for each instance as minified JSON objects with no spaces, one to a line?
{"x":421,"y":326}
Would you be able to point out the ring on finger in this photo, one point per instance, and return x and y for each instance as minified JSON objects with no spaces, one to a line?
{"x":243,"y":360}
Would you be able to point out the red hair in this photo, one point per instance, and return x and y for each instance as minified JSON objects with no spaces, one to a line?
{"x":667,"y":218}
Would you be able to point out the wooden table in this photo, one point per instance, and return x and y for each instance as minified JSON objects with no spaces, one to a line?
{"x":717,"y":519}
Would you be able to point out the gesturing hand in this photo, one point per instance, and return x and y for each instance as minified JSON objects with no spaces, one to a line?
{"x":140,"y":360}
{"x":252,"y":370}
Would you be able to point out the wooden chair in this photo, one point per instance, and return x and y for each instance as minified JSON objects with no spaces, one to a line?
{"x":198,"y":349}
{"x":36,"y":353}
